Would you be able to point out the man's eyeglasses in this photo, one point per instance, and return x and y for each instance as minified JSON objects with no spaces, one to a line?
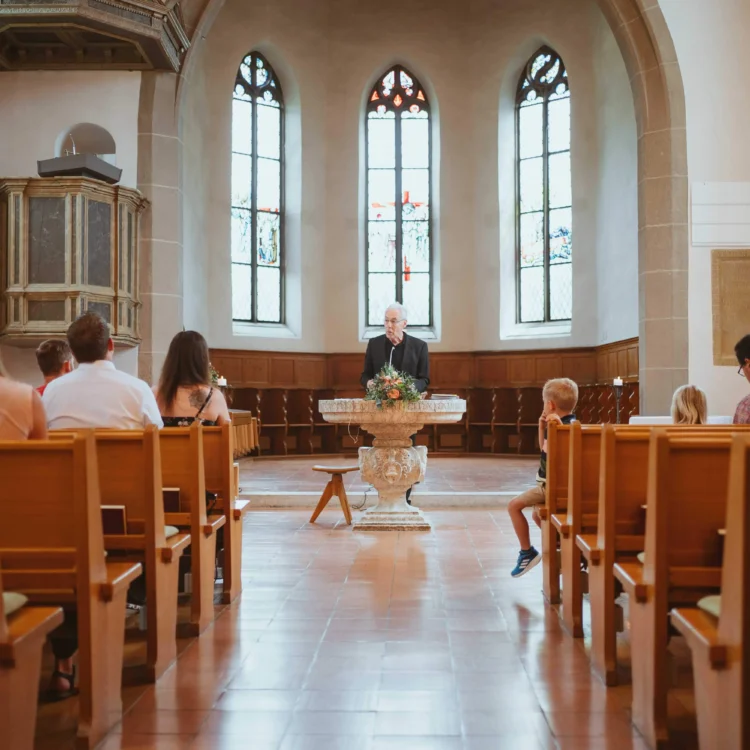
{"x":741,"y":371}
{"x":392,"y":321}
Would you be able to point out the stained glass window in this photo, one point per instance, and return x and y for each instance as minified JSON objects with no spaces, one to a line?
{"x":399,"y":248}
{"x":257,"y":193}
{"x":545,"y":288}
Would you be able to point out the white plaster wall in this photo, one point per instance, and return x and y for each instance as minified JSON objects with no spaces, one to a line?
{"x":328,"y":55}
{"x":711,"y":44}
{"x":37,"y":106}
{"x":616,"y":194}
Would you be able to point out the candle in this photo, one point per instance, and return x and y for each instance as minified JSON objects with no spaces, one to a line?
{"x":618,"y":382}
{"x":221,"y":382}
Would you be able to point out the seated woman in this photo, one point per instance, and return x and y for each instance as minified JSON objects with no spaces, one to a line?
{"x":22,"y":414}
{"x":689,"y":405}
{"x":185,"y":393}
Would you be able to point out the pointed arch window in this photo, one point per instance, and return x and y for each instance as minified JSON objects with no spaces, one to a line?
{"x":257,"y":193}
{"x":399,"y":247}
{"x":544,"y":232}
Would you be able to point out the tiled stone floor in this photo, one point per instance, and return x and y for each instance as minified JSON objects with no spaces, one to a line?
{"x":460,"y":474}
{"x":383,"y":641}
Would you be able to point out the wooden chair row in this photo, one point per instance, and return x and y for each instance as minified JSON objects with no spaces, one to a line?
{"x":127,"y":469}
{"x":245,"y":432}
{"x":599,"y":479}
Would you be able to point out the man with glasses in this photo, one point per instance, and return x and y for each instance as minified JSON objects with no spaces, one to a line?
{"x":406,"y":353}
{"x":742,"y":350}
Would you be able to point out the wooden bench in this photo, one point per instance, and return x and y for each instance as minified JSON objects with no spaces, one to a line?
{"x":581,"y":517}
{"x":620,"y":528}
{"x":619,"y":534}
{"x":686,"y":505}
{"x":22,"y":637}
{"x":554,"y":511}
{"x":220,"y":478}
{"x":183,"y":467}
{"x":52,"y":550}
{"x":130,"y":476}
{"x":721,"y":657}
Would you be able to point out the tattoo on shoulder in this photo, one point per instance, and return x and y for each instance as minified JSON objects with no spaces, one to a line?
{"x":197,"y":397}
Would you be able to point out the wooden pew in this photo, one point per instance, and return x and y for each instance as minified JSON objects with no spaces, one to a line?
{"x":183,"y":467}
{"x":553,"y":514}
{"x":52,"y":550}
{"x":130,"y":475}
{"x":686,"y":499}
{"x":620,"y":528}
{"x":721,"y":660}
{"x":619,"y":534}
{"x":218,"y":451}
{"x":22,"y":637}
{"x":581,"y":517}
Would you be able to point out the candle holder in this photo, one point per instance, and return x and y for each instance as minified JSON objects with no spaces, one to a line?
{"x":618,"y":396}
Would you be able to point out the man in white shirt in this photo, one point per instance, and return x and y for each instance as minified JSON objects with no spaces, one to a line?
{"x":96,"y":394}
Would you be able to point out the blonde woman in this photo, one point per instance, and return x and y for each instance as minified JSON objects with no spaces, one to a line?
{"x":21,"y":412}
{"x":689,"y":405}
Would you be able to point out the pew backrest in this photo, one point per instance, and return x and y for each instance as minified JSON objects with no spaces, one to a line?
{"x":734,"y":621}
{"x":558,"y":447}
{"x":583,"y":476}
{"x":686,"y":506}
{"x":218,"y":452}
{"x":51,"y":541}
{"x":182,"y":466}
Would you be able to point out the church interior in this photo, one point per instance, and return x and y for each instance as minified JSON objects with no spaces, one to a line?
{"x":320,"y":317}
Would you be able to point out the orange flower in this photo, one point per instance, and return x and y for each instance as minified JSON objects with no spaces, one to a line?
{"x":394,"y":393}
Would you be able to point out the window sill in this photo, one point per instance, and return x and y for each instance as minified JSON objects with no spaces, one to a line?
{"x":537,"y":330}
{"x":424,"y":333}
{"x":264,"y":330}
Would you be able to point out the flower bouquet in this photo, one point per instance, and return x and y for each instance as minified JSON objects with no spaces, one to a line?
{"x":391,"y":387}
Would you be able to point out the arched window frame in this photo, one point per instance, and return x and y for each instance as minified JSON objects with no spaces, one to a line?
{"x":544,"y":80}
{"x":256,"y":83}
{"x":398,"y":91}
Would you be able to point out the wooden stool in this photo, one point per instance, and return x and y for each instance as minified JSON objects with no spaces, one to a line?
{"x":334,"y":487}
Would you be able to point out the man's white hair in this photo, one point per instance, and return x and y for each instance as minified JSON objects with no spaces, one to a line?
{"x":401,"y":310}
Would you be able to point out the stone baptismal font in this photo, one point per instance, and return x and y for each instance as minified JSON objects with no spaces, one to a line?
{"x":393,"y":464}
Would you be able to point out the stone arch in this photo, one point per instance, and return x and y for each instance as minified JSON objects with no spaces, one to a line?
{"x":659,"y":99}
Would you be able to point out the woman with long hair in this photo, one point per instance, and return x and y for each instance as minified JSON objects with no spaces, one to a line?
{"x":689,"y":405}
{"x":185,"y":393}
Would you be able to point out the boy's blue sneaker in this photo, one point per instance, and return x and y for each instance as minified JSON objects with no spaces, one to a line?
{"x":527,"y":559}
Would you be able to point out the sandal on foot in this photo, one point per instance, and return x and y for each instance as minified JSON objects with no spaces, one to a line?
{"x":55,"y":696}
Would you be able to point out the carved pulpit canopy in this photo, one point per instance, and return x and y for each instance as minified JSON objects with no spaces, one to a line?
{"x":67,"y":245}
{"x":91,"y":34}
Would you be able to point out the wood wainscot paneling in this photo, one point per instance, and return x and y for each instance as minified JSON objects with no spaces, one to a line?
{"x":503,"y":392}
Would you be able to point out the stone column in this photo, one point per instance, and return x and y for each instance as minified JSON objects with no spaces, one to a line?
{"x":650,"y":58}
{"x":159,"y":179}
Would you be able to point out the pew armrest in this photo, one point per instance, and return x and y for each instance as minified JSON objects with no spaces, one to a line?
{"x":630,"y":575}
{"x":119,"y":577}
{"x":700,"y":630}
{"x":543,"y":513}
{"x":175,"y":546}
{"x":587,"y":543}
{"x":26,"y":623}
{"x":560,"y":522}
{"x":240,"y":507}
{"x":214,"y":524}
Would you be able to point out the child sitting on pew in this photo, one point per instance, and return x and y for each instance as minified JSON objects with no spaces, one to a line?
{"x":560,"y":397}
{"x":689,"y":405}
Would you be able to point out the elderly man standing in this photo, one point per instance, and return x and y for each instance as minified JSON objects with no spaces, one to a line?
{"x":406,"y":353}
